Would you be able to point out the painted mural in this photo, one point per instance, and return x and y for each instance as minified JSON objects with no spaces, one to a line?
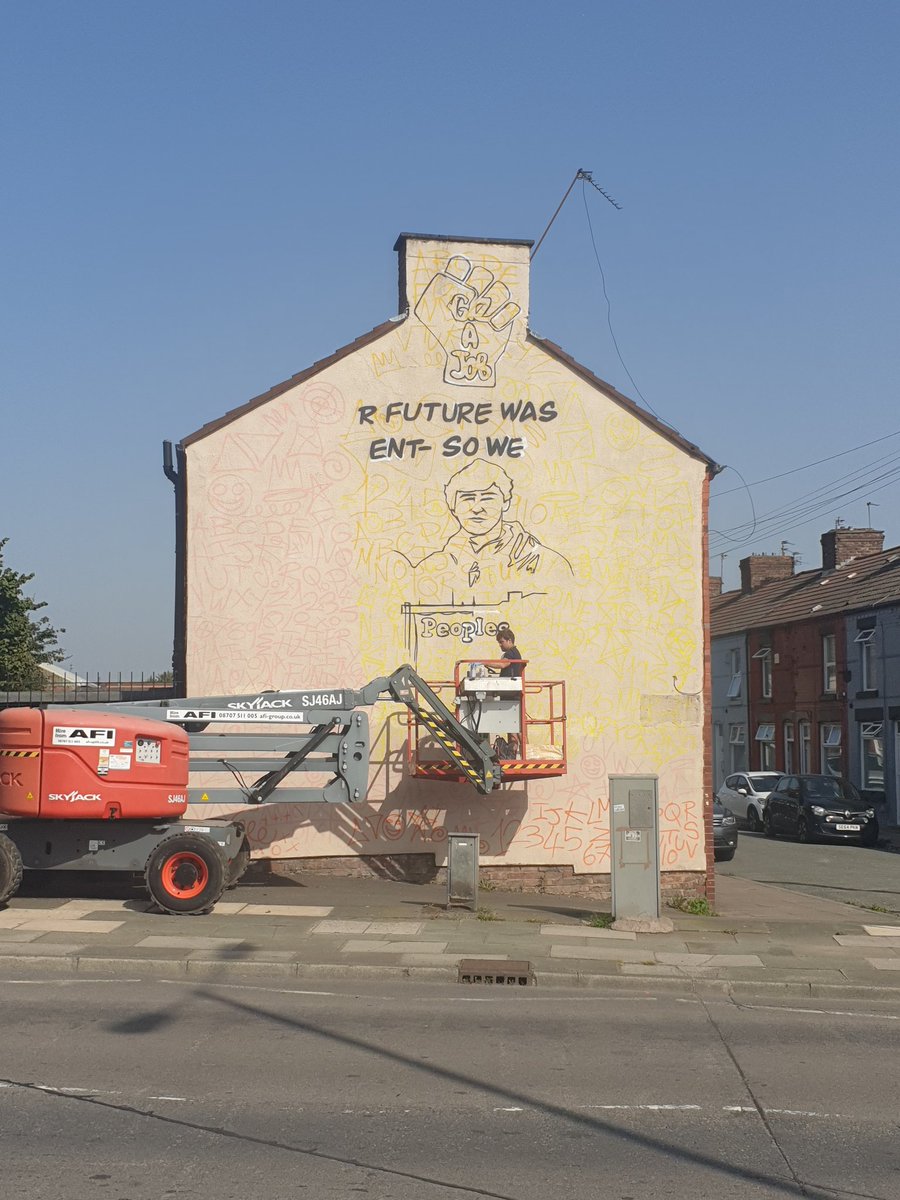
{"x":449,"y":478}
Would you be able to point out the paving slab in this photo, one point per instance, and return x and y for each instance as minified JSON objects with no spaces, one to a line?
{"x":585,"y":931}
{"x":863,"y":939}
{"x":283,"y":910}
{"x":49,"y":924}
{"x":162,"y":942}
{"x":392,"y":947}
{"x":608,"y":953}
{"x":341,"y":927}
{"x":71,"y":907}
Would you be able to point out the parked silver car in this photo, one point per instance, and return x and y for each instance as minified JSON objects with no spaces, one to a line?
{"x":745,"y":794}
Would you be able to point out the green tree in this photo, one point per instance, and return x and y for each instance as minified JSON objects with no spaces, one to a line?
{"x":26,"y":641}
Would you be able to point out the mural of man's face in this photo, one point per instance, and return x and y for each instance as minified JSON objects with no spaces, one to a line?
{"x":479,"y":512}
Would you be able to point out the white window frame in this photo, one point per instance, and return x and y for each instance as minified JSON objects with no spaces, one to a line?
{"x":829,"y":664}
{"x":765,"y":735}
{"x":868,"y":675}
{"x":737,"y":675}
{"x":789,"y":742}
{"x":829,"y":739}
{"x":805,"y":731}
{"x":764,"y":654}
{"x":870,"y":731}
{"x":737,"y":738}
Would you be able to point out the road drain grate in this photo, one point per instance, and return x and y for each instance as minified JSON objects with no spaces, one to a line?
{"x":488,"y":970}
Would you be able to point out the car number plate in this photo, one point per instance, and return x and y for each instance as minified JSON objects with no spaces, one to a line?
{"x":849,"y":828}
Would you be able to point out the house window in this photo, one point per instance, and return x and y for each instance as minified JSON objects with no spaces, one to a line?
{"x":765,"y":737}
{"x":829,"y":664}
{"x":872,"y":737}
{"x":737,"y":738}
{"x":805,"y":740}
{"x":765,"y":662}
{"x":788,"y":748}
{"x":868,"y":674}
{"x":734,"y":688}
{"x":831,"y":749}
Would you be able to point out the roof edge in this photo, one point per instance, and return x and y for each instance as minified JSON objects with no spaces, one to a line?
{"x":403,"y":238}
{"x":626,"y":402}
{"x":279,"y":389}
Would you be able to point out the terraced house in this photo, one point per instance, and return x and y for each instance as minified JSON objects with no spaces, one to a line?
{"x":816,"y":657}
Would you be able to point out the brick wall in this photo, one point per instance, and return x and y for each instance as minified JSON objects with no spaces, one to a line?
{"x":841,"y":546}
{"x":541,"y":880}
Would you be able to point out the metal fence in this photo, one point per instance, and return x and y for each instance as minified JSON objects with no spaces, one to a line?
{"x":79,"y":689}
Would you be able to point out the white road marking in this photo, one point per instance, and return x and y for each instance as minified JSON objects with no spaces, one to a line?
{"x":53,"y":1090}
{"x":645,"y":1107}
{"x":821,"y":1012}
{"x":691,"y":1108}
{"x":250,"y":987}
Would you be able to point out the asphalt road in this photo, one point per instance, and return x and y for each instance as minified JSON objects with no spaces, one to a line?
{"x":836,"y":871}
{"x":144,"y":1090}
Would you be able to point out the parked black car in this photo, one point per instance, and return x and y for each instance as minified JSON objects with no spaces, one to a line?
{"x":725,"y":833}
{"x":819,"y":806}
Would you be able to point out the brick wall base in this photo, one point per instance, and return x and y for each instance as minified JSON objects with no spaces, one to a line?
{"x":421,"y":868}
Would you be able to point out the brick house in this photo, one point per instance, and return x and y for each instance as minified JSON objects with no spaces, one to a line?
{"x":320,"y":545}
{"x":822,"y":650}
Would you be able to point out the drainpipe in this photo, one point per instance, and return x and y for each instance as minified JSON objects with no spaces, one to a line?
{"x":177,"y":476}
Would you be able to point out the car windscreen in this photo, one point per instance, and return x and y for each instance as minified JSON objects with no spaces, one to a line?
{"x":764,"y":783}
{"x":824,"y":788}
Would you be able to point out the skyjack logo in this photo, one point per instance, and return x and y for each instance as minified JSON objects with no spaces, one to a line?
{"x":74,"y":797}
{"x":262,"y":702}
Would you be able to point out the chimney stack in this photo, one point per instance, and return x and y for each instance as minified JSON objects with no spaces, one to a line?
{"x":840,"y":546}
{"x":714,"y":583}
{"x":758,"y":569}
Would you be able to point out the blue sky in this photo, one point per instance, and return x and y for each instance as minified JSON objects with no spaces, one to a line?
{"x":201,"y":199}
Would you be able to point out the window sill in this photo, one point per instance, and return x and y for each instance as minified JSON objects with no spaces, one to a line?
{"x":871,"y":694}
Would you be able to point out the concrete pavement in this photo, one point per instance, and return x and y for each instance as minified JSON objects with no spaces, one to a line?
{"x":763,"y":940}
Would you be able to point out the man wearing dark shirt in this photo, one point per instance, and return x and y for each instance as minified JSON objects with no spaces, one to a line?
{"x":510,"y":747}
{"x":506,"y":640}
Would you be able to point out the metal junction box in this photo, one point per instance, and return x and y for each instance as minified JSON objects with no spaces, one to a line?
{"x":634,"y":845}
{"x":462,"y":870}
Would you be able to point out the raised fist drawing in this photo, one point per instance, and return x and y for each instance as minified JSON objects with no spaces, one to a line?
{"x":471,"y":314}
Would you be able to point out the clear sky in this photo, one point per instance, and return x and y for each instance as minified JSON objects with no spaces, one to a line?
{"x":201,"y":198}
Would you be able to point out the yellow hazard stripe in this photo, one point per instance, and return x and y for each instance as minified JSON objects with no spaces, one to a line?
{"x":20,"y":753}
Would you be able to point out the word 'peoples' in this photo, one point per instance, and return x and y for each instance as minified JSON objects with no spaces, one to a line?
{"x":461,"y":413}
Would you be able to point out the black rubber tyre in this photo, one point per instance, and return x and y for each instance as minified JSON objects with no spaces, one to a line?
{"x":870,"y":839}
{"x":803,"y":834}
{"x":10,"y":868}
{"x":754,"y":819}
{"x":768,"y":828}
{"x":724,"y":855}
{"x":238,"y":865}
{"x":186,"y":873}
